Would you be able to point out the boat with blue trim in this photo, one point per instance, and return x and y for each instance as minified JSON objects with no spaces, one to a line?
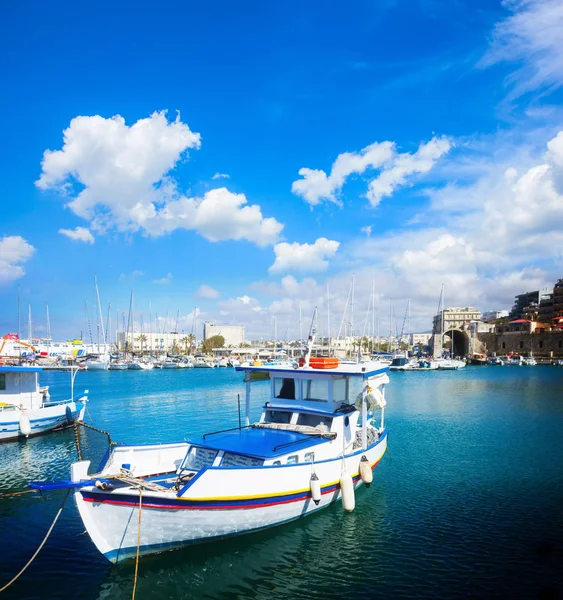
{"x":26,"y":409}
{"x":320,"y":435}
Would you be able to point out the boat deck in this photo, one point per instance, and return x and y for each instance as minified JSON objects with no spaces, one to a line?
{"x":259,"y":443}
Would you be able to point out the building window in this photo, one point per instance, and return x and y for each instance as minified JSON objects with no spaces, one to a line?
{"x":541,"y":345}
{"x":560,"y":344}
{"x":521,"y":345}
{"x":503,"y":345}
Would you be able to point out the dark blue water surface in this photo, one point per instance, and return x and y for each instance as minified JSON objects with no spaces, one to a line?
{"x":468,"y":501}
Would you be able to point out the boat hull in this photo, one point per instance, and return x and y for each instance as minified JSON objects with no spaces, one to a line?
{"x":198,"y":515}
{"x":41,"y":420}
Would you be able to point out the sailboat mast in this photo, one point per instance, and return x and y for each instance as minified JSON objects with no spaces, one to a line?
{"x":328,"y":316}
{"x":48,"y":320}
{"x":352,"y":311}
{"x":442,"y":325}
{"x":29,"y":329}
{"x":373,"y":316}
{"x":100,"y":317}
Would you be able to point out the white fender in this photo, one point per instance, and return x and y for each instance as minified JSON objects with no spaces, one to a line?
{"x":315,"y":488}
{"x":347,"y":491}
{"x":365,"y":471}
{"x":25,"y":425}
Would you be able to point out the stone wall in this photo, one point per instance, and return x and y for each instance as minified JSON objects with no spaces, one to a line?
{"x":545,"y":344}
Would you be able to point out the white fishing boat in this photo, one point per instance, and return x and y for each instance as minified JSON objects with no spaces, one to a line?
{"x":222,"y":362}
{"x":169,"y":364}
{"x":317,"y":441}
{"x":26,"y":409}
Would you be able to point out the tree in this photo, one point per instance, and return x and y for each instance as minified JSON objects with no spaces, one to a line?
{"x":215,"y":341}
{"x":142,"y":338}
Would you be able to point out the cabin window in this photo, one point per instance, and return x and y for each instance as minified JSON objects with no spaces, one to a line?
{"x":198,"y":458}
{"x":230,"y":459}
{"x":278,"y":416}
{"x":2,"y":381}
{"x":314,"y":421}
{"x":339,"y":389}
{"x":277,"y":462}
{"x":315,"y":389}
{"x":284,"y":388}
{"x":293,"y":459}
{"x":309,"y":457}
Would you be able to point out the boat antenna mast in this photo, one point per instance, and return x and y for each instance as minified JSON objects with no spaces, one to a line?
{"x":311,"y":339}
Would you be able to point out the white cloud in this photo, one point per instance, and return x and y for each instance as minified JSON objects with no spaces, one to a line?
{"x":403,"y":165}
{"x":394,"y":167}
{"x":14,"y":251}
{"x":206,"y":292}
{"x":221,"y":176}
{"x":530,"y":37}
{"x":132,"y":275}
{"x":303,"y":257}
{"x":79,"y":234}
{"x":119,"y":177}
{"x":164,"y":280}
{"x":367,"y":230}
{"x":219,"y":215}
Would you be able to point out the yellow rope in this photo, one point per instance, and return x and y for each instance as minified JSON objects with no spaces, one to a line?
{"x":16,"y":493}
{"x":40,"y":546}
{"x":138,"y":543}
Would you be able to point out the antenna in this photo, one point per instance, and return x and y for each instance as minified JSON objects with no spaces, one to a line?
{"x":19,"y":319}
{"x":29,"y":330}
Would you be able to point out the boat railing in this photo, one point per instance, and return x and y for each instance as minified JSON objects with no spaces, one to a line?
{"x":60,"y":402}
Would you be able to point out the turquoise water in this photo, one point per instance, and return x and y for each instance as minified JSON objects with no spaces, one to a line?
{"x":468,"y":501}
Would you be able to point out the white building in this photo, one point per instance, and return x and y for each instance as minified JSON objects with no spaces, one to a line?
{"x":233,"y":334}
{"x":420,"y":339}
{"x":492,"y":315}
{"x":152,"y":342}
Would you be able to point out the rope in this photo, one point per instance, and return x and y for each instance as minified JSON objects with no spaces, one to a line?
{"x":16,"y":493}
{"x":40,"y":546}
{"x":138,"y":543}
{"x":77,"y":440}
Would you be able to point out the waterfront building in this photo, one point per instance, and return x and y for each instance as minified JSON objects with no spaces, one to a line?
{"x":233,"y":334}
{"x":558,"y":299}
{"x":491,"y":316}
{"x":527,"y":301}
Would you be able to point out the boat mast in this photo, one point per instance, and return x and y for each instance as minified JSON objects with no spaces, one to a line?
{"x":352,"y":312}
{"x":29,"y":329}
{"x":100,"y":317}
{"x":19,"y":314}
{"x":373,"y":316}
{"x":300,"y":328}
{"x":328,"y":316}
{"x":48,"y":321}
{"x":442,"y":325}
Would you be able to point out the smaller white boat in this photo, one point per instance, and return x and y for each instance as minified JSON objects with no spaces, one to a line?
{"x":222,"y":362}
{"x":26,"y":409}
{"x":401,"y":363}
{"x":169,"y":364}
{"x":529,"y":361}
{"x":200,"y":362}
{"x":99,"y":363}
{"x":118,"y":365}
{"x":140,"y":365}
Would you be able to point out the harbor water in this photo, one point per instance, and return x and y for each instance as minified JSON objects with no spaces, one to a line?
{"x":467,"y":502}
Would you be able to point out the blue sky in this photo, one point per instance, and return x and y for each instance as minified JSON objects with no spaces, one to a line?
{"x":445,"y":111}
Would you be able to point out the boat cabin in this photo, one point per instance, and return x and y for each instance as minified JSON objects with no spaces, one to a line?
{"x":312,"y":414}
{"x":19,"y":387}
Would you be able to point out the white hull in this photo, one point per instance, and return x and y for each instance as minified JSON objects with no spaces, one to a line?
{"x":41,"y":419}
{"x":217,"y":504}
{"x":140,"y":366}
{"x":97,"y":365}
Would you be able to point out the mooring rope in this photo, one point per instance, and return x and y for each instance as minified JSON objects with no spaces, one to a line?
{"x":16,"y":493}
{"x":138,"y":543}
{"x":40,"y":546}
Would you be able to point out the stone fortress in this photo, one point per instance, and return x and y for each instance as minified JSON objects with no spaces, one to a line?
{"x":534,"y":326}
